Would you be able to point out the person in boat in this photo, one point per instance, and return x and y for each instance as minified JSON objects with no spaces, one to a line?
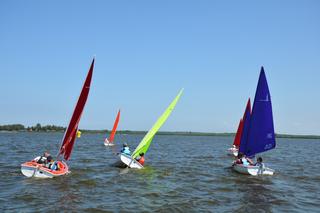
{"x":259,"y":162}
{"x":125,"y":149}
{"x":239,"y":159}
{"x":49,"y":161}
{"x":43,"y":159}
{"x":53,"y":165}
{"x":242,"y":159}
{"x":140,"y":158}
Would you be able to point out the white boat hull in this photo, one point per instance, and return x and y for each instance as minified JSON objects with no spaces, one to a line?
{"x":130,"y":162}
{"x":252,"y":170}
{"x":32,"y":169}
{"x":108,"y":144}
{"x":33,"y":172}
{"x":233,"y":152}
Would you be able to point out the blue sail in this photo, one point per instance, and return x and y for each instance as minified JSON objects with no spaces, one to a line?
{"x":246,"y":125}
{"x":261,"y":135}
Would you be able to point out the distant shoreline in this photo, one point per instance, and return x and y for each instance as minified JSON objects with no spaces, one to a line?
{"x":51,"y":128}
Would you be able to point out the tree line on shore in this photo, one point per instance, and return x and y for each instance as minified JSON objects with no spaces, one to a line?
{"x":53,"y":128}
{"x":35,"y":128}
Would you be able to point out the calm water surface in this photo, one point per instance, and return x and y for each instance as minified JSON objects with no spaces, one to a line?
{"x":182,"y":174}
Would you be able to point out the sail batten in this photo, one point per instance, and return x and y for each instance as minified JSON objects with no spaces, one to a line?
{"x":71,"y":131}
{"x":146,"y":141}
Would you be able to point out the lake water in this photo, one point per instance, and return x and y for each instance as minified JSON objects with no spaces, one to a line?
{"x":182,"y":174}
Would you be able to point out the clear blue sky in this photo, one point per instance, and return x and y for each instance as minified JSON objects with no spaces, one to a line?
{"x":147,"y":50}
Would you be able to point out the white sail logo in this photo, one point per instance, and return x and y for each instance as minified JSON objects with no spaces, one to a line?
{"x":269,"y":135}
{"x":266,"y":100}
{"x":268,"y":146}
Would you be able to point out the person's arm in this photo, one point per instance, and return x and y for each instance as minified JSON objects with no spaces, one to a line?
{"x":36,"y":159}
{"x":250,"y":161}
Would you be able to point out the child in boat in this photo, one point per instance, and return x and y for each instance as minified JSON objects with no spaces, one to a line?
{"x":49,"y":161}
{"x":140,"y":159}
{"x":259,"y":162}
{"x":125,"y":149}
{"x":242,"y":159}
{"x":53,"y":165}
{"x":247,"y":161}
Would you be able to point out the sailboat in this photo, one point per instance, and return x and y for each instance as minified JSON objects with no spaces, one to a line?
{"x":236,"y":143}
{"x":143,"y":146}
{"x":34,"y":169}
{"x":109,"y":142}
{"x":258,"y":131}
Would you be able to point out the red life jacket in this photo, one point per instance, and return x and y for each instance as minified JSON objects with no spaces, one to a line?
{"x":141,"y":160}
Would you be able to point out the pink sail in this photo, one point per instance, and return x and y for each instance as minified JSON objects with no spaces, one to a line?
{"x":70,"y":134}
{"x":114,"y":129}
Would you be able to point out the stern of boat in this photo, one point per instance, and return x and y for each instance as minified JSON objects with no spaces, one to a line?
{"x":130,"y":162}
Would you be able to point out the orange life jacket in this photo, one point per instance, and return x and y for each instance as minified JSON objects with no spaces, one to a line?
{"x":141,"y":160}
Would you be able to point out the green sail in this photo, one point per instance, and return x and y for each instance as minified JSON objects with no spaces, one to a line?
{"x":146,"y":141}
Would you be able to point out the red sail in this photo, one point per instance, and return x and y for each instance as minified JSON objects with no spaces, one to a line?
{"x":237,"y":138}
{"x":70,"y":134}
{"x":236,"y":141}
{"x":114,"y":129}
{"x":68,"y":149}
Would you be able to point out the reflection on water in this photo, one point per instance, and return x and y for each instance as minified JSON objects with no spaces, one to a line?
{"x":182,"y":174}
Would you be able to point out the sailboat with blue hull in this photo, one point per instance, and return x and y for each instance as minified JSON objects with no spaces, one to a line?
{"x":258,"y":130}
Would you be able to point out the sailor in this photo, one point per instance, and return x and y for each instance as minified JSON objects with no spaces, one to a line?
{"x":49,"y":162}
{"x":54,"y":165}
{"x":140,"y":158}
{"x":239,"y":157}
{"x":259,"y":162}
{"x":242,"y":159}
{"x":246,"y":161}
{"x":43,"y":159}
{"x":125,"y":149}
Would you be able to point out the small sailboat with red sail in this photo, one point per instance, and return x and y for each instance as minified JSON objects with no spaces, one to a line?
{"x":258,"y":130}
{"x":233,"y":151}
{"x":109,"y":142}
{"x":45,"y":170}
